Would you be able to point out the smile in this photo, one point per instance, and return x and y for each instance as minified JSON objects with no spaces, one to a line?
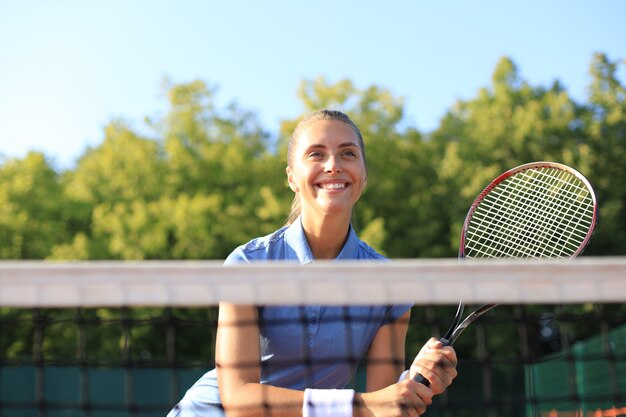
{"x":333,"y":186}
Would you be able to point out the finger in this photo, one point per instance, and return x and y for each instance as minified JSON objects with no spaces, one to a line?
{"x":430,"y":376}
{"x":444,"y":357}
{"x":424,"y":393}
{"x":432,"y":362}
{"x":434,"y":343}
{"x":410,"y":403}
{"x":410,"y":410}
{"x":433,"y":352}
{"x":418,"y":404}
{"x":438,"y":377}
{"x":450,"y":354}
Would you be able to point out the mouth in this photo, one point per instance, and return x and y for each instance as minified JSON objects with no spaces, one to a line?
{"x":332,"y":186}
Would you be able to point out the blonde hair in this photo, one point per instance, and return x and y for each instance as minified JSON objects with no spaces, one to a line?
{"x":324,"y":114}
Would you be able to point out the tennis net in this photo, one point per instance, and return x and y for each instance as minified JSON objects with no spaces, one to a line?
{"x":127,"y":339}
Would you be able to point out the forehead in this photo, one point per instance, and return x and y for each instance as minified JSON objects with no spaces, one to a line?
{"x":327,"y":133}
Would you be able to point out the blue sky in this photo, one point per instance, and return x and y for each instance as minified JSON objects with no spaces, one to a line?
{"x":69,"y":67}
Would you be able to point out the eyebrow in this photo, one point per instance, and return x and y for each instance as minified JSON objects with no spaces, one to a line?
{"x":342,"y":145}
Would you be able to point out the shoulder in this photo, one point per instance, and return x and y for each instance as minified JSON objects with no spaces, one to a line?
{"x":261,"y":248}
{"x":365,"y":251}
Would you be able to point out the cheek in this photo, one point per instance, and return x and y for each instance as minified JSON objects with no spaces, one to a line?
{"x":361,"y":173}
{"x":304,"y":174}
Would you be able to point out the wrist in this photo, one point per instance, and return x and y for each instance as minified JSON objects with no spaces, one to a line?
{"x":361,"y":407}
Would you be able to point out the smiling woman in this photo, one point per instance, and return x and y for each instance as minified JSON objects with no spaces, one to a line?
{"x":297,"y":141}
{"x":326,"y":170}
{"x":298,"y":360}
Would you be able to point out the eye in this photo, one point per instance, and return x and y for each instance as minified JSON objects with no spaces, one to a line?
{"x":350,"y":153}
{"x":315,"y":154}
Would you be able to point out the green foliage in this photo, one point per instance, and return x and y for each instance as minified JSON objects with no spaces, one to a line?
{"x":33,"y":215}
{"x":604,"y":122}
{"x":211,"y":178}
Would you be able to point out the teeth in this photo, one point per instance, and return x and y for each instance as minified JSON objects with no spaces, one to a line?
{"x":333,"y":186}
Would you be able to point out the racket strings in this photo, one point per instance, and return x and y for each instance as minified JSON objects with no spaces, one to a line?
{"x":580,"y":217}
{"x":534,"y":213}
{"x":527,"y":207}
{"x":520,"y":230}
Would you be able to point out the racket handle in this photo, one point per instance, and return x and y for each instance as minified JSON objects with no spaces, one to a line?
{"x":422,"y":379}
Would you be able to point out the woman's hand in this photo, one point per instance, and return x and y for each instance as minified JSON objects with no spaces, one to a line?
{"x":406,"y":398}
{"x":437,"y":363}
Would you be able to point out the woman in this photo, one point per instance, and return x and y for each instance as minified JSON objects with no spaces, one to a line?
{"x":296,"y":360}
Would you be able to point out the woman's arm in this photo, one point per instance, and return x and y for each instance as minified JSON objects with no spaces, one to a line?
{"x":385,"y":358}
{"x":238,"y":366}
{"x":386,"y":396}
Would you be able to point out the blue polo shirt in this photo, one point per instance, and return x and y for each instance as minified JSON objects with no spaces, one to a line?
{"x":310,"y":346}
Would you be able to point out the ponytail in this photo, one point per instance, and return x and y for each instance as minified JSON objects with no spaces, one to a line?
{"x":295,"y":210}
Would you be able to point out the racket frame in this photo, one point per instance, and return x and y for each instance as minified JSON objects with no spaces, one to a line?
{"x":526,"y":167}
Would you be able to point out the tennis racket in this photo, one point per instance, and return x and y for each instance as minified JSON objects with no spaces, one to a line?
{"x":537,"y":210}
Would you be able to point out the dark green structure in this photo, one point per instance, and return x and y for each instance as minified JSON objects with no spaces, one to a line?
{"x":589,"y":378}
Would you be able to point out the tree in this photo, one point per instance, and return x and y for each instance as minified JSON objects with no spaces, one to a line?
{"x":125,"y":168}
{"x":204,"y":185}
{"x":604,"y":124}
{"x":34,"y":215}
{"x":221,"y":155}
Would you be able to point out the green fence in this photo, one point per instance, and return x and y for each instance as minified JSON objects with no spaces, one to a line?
{"x":583,"y":382}
{"x":589,"y":377}
{"x":54,"y":391}
{"x":71,"y":391}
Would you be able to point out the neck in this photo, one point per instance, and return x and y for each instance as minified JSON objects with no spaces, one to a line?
{"x":326,"y":235}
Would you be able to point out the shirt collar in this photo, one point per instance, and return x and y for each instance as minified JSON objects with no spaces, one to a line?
{"x":298,"y":246}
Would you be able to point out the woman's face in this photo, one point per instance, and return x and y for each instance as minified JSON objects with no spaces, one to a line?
{"x":327,"y":168}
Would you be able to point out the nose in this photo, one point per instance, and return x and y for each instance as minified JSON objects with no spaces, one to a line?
{"x":332,"y":165}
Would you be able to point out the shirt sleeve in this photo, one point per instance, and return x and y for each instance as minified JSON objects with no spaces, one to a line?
{"x":236,"y":257}
{"x":394,"y":312}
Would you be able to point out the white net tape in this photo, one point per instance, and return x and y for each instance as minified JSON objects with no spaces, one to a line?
{"x":433,"y":282}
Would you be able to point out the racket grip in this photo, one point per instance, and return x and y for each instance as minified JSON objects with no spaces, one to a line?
{"x":422,"y":379}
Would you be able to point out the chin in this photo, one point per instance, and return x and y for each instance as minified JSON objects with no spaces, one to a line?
{"x":336,"y":210}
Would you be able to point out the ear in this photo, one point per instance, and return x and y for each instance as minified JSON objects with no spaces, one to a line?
{"x":291,"y":180}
